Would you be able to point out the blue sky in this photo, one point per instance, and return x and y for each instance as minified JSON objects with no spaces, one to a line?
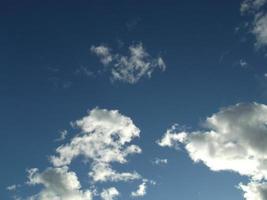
{"x":147,"y":64}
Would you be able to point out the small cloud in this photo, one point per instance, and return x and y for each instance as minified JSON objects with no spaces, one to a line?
{"x":243,"y":63}
{"x":63,"y":135}
{"x":160,"y":161}
{"x":103,"y":52}
{"x":12,"y":187}
{"x":109,"y":194}
{"x":131,"y":24}
{"x":141,"y":190}
{"x":84,"y":70}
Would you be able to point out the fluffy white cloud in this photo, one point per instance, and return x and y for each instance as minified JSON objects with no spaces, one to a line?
{"x":233,"y":139}
{"x":104,"y":140}
{"x":131,"y":68}
{"x":171,"y":138}
{"x":109,"y":194}
{"x":58,"y":183}
{"x":258,"y":26}
{"x":254,"y":190}
{"x":141,"y":190}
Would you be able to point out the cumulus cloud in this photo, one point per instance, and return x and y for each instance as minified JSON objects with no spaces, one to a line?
{"x":58,"y":183}
{"x":258,"y":26}
{"x":254,"y":190}
{"x":109,"y":194}
{"x":104,"y":140}
{"x":129,"y":68}
{"x":233,"y":139}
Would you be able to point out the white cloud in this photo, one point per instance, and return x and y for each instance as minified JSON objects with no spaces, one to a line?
{"x":131,"y":68}
{"x":254,"y":190}
{"x":171,"y":138}
{"x":109,"y":194}
{"x":58,"y":184}
{"x":104,"y":54}
{"x":12,"y":187}
{"x":234,"y":139}
{"x":258,"y":27}
{"x":104,"y":140}
{"x":141,"y":190}
{"x":160,"y":161}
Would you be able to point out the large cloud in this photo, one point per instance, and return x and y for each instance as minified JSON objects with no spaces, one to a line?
{"x":104,"y":140}
{"x":233,"y":139}
{"x":129,"y":68}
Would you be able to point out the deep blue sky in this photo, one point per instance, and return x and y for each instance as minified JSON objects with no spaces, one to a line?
{"x":42,"y":44}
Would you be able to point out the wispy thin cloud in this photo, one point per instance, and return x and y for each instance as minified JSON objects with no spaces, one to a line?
{"x":128,"y":68}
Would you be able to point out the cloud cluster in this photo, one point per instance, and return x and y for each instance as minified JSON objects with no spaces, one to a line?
{"x":258,"y":26}
{"x":105,"y":138}
{"x":233,"y":139}
{"x":128,"y":68}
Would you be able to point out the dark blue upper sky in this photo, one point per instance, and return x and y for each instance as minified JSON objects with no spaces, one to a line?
{"x":43,"y":44}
